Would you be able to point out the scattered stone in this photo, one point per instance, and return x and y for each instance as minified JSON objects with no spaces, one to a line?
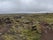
{"x":0,"y":33}
{"x":45,"y":24}
{"x":52,"y":24}
{"x":0,"y":21}
{"x":27,"y":22}
{"x":16,"y":26}
{"x":17,"y":20}
{"x":7,"y":21}
{"x":34,"y":28}
{"x":7,"y":18}
{"x":17,"y":17}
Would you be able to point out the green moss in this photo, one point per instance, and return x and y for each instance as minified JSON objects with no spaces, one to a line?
{"x":21,"y":33}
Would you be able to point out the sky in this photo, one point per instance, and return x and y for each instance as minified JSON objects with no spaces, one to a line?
{"x":24,"y":6}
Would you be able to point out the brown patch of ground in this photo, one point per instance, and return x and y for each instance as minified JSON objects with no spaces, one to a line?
{"x":47,"y":31}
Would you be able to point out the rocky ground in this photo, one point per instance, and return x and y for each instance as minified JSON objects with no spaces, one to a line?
{"x":26,"y":27}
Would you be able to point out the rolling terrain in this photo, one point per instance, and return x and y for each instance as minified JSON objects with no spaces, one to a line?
{"x":26,"y":26}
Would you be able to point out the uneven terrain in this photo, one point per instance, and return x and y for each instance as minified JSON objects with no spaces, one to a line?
{"x":26,"y":26}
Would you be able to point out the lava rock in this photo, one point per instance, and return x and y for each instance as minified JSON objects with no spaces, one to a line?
{"x":44,"y":24}
{"x":34,"y":28}
{"x":17,"y":17}
{"x":0,"y":21}
{"x":7,"y":21}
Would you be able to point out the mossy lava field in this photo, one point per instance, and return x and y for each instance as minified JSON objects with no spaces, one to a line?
{"x":26,"y":26}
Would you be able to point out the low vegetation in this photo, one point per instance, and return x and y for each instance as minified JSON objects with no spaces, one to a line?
{"x":23,"y":26}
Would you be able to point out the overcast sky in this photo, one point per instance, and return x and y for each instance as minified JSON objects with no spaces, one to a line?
{"x":12,"y":6}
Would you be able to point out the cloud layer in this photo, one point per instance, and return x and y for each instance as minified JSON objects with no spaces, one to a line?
{"x":9,"y":6}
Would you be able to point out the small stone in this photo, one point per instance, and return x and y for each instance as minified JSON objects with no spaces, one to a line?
{"x":17,"y":17}
{"x":0,"y":33}
{"x":34,"y":28}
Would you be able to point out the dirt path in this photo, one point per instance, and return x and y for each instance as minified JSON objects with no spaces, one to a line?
{"x":47,"y":36}
{"x":47,"y":32}
{"x":3,"y":30}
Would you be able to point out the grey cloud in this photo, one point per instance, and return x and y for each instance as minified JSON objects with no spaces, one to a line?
{"x":8,"y":6}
